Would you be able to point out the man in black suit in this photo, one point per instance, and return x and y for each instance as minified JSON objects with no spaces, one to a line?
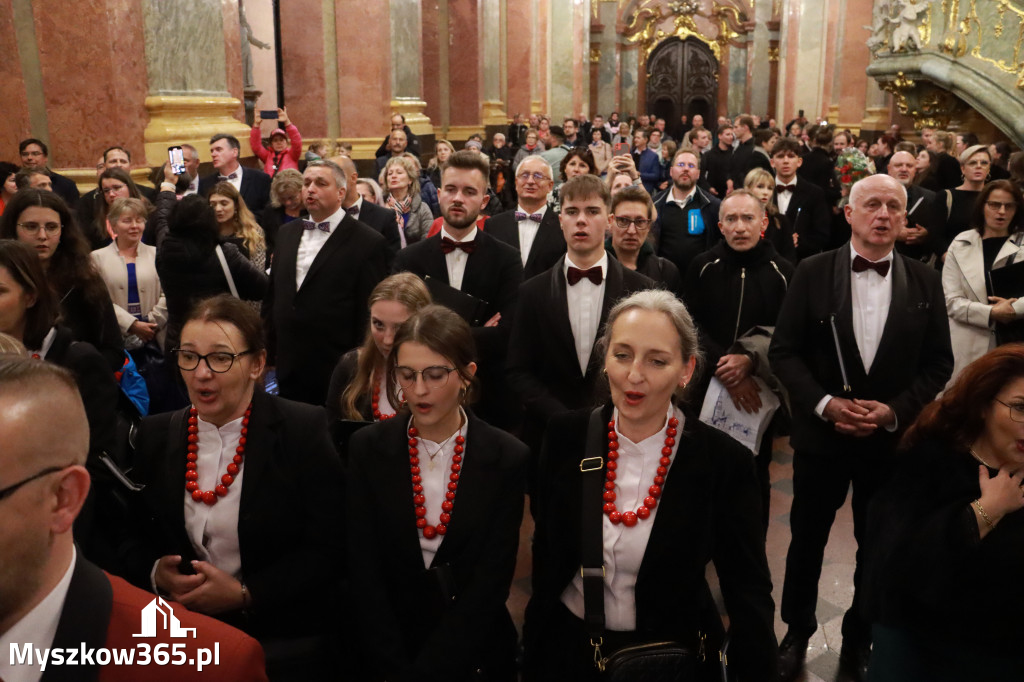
{"x":379,"y":218}
{"x":916,"y":239}
{"x":532,"y":229}
{"x":553,"y":365}
{"x":398,"y":142}
{"x":687,"y":222}
{"x":717,"y":163}
{"x":412,"y":141}
{"x":743,"y":156}
{"x":799,"y":200}
{"x":818,"y":167}
{"x":324,"y":270}
{"x":35,"y":154}
{"x":474,"y":262}
{"x":252,"y":183}
{"x":861,"y":344}
{"x":517,"y":132}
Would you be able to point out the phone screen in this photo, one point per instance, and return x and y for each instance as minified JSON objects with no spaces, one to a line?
{"x":621,"y":149}
{"x":177,"y":160}
{"x":268,"y":114}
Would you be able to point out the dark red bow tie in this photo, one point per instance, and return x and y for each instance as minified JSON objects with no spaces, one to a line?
{"x":228,"y":177}
{"x":535,"y":217}
{"x":449,"y":245}
{"x":353,"y":209}
{"x":860,"y":264}
{"x":785,"y":188}
{"x":574,"y":275}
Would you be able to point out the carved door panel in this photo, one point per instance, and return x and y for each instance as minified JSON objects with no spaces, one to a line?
{"x":682,"y":78}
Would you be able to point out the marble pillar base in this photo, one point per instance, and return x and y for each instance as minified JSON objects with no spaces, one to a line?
{"x":536,"y":107}
{"x":192,"y":119}
{"x":462,"y":133}
{"x":833,"y":113}
{"x":413,"y":110}
{"x":492,"y":113}
{"x":876,"y":119}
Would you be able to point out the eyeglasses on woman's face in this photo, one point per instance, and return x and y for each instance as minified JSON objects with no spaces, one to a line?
{"x":433,"y":377}
{"x":218,"y":361}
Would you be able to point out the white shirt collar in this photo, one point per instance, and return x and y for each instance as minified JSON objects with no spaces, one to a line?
{"x":47,"y":342}
{"x":334,"y":219}
{"x":238,"y":170}
{"x":778,"y":181}
{"x":886,"y":257}
{"x":468,"y":238}
{"x":686,"y":198}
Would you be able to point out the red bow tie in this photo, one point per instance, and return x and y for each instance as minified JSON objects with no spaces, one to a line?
{"x":860,"y":264}
{"x":449,"y":245}
{"x":228,"y":177}
{"x":785,"y":188}
{"x":574,"y":275}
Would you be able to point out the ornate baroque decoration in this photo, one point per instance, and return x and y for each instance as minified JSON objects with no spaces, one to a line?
{"x":929,"y":105}
{"x":966,"y":35}
{"x":640,"y":26}
{"x":900,"y":26}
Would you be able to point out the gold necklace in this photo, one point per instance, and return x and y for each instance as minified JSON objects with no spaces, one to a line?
{"x":977,"y":457}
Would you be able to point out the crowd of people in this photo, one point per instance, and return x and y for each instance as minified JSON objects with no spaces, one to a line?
{"x":312,"y":406}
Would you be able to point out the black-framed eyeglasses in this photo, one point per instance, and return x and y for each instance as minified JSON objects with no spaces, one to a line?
{"x":11,"y":489}
{"x":641,"y":223}
{"x":218,"y":361}
{"x":1016,"y":411}
{"x":434,"y":377}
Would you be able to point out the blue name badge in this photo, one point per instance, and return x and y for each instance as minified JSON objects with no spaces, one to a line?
{"x":695,"y":222}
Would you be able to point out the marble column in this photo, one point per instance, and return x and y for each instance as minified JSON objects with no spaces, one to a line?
{"x":492,"y":63}
{"x":853,"y":80}
{"x":406,"y":65}
{"x":521,"y":54}
{"x":759,"y":64}
{"x":607,"y":73}
{"x":431,"y":47}
{"x":539,"y":26}
{"x":310,"y":70}
{"x":363,"y":57}
{"x":465,"y":70}
{"x":629,"y":70}
{"x":569,"y":90}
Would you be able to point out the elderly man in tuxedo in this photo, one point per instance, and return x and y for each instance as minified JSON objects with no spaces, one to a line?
{"x":52,"y":597}
{"x":861,"y":343}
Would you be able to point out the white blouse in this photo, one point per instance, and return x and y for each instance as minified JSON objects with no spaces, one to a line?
{"x":624,"y":547}
{"x":435,"y":468}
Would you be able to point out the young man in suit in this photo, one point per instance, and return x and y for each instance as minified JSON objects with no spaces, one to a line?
{"x":34,"y":154}
{"x":801,"y":201}
{"x":252,"y":183}
{"x":718,"y":163}
{"x":324,"y":270}
{"x":51,"y":596}
{"x":687,"y":222}
{"x":553,"y":365}
{"x":743,"y":155}
{"x":533,"y":227}
{"x":379,"y":218}
{"x":861,"y":344}
{"x":474,"y":262}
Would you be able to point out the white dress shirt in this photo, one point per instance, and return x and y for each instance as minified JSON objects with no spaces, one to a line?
{"x":624,"y":547}
{"x":236,"y":181}
{"x":358,"y":205}
{"x":310,"y":244}
{"x":585,"y":299}
{"x":435,"y":468}
{"x":783,"y":198}
{"x":528,"y":231}
{"x":193,"y":187}
{"x":682,"y":201}
{"x":457,"y":259}
{"x":213,"y":530}
{"x":870,"y":295}
{"x":38,"y":627}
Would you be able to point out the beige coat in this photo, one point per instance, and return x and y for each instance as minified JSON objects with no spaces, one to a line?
{"x":114,"y":271}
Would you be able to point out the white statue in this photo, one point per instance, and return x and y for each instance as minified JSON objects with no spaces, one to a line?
{"x":907,"y":21}
{"x":880,"y":18}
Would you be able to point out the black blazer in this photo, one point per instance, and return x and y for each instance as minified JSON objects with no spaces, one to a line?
{"x":309,"y":329}
{"x":923,"y":214}
{"x":66,"y":188}
{"x":290,"y":524}
{"x":548,"y":246}
{"x":414,"y":628}
{"x":709,"y":511}
{"x":255,"y":188}
{"x":383,"y":221}
{"x":810,"y":216}
{"x":913,"y":362}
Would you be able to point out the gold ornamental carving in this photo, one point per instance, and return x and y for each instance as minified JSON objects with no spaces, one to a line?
{"x":966,"y":35}
{"x":929,"y":105}
{"x":641,"y":26}
{"x":773,"y":54}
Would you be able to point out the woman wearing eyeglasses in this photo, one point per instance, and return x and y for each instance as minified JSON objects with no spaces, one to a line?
{"x":942,"y":576}
{"x":242,"y":495}
{"x":435,"y":500}
{"x":979,"y":319}
{"x":957,"y":203}
{"x":42,"y":220}
{"x":632,"y":213}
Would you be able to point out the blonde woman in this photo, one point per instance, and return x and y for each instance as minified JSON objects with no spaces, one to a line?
{"x":761,"y":184}
{"x":400,"y":181}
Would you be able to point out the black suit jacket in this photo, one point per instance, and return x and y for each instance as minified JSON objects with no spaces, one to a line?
{"x":548,"y":246}
{"x":810,"y":216}
{"x":309,"y":329}
{"x":709,"y":511}
{"x":921,"y":211}
{"x":290,"y":525}
{"x":255,"y":188}
{"x":383,"y":221}
{"x":912,"y":364}
{"x":819,"y":169}
{"x":447,"y":622}
{"x":66,"y":188}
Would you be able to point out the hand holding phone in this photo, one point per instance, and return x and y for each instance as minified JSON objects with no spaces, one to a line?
{"x":176,"y":157}
{"x":269,"y":114}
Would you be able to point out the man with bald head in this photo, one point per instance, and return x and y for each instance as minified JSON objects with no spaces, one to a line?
{"x":51,"y":597}
{"x":379,"y":218}
{"x":914,"y":239}
{"x":861,"y":344}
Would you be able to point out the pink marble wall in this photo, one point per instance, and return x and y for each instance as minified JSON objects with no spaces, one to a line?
{"x":233,"y":52}
{"x":790,"y":74}
{"x":364,"y":68}
{"x":520,"y":54}
{"x":853,"y":84}
{"x":12,"y":90}
{"x":543,"y":19}
{"x":431,"y":61}
{"x":831,"y":45}
{"x":464,"y":62}
{"x":302,"y":49}
{"x":92,"y":57}
{"x":581,"y":48}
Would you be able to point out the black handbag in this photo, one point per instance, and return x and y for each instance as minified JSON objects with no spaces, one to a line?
{"x":663,"y":661}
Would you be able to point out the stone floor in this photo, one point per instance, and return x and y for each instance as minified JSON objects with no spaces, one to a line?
{"x":835,"y":589}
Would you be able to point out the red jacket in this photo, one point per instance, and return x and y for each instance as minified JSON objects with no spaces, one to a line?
{"x":290,"y":158}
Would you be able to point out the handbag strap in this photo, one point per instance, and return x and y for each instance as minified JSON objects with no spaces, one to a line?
{"x":591,"y":529}
{"x":227,"y":272}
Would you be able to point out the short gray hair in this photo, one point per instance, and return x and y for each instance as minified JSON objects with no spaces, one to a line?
{"x":336,"y":170}
{"x":545,"y":165}
{"x":858,"y":187}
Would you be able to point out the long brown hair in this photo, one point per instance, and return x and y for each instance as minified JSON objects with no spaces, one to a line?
{"x":405,"y":288}
{"x":244,"y":221}
{"x":23,"y":265}
{"x":958,"y":417}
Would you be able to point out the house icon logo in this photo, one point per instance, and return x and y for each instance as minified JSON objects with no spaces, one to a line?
{"x":158,"y":614}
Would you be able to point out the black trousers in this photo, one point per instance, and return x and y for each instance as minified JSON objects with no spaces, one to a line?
{"x":821,"y":481}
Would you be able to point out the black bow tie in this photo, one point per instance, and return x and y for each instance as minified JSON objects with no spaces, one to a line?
{"x":574,"y":275}
{"x":860,"y":264}
{"x":785,"y":188}
{"x":325,"y":226}
{"x":353,"y":209}
{"x":228,"y":177}
{"x":449,"y":245}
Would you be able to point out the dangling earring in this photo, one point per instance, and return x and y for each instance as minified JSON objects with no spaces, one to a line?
{"x":401,"y":398}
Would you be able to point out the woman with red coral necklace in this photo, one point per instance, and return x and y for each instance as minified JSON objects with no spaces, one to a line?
{"x":665,"y":494}
{"x":435,"y":501}
{"x":243,"y":490}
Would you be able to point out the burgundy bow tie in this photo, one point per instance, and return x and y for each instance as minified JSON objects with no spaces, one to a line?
{"x":228,"y":177}
{"x":325,"y":226}
{"x":860,"y":264}
{"x":574,"y":275}
{"x":785,"y":188}
{"x":535,"y":217}
{"x":353,"y":209}
{"x":449,"y":245}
